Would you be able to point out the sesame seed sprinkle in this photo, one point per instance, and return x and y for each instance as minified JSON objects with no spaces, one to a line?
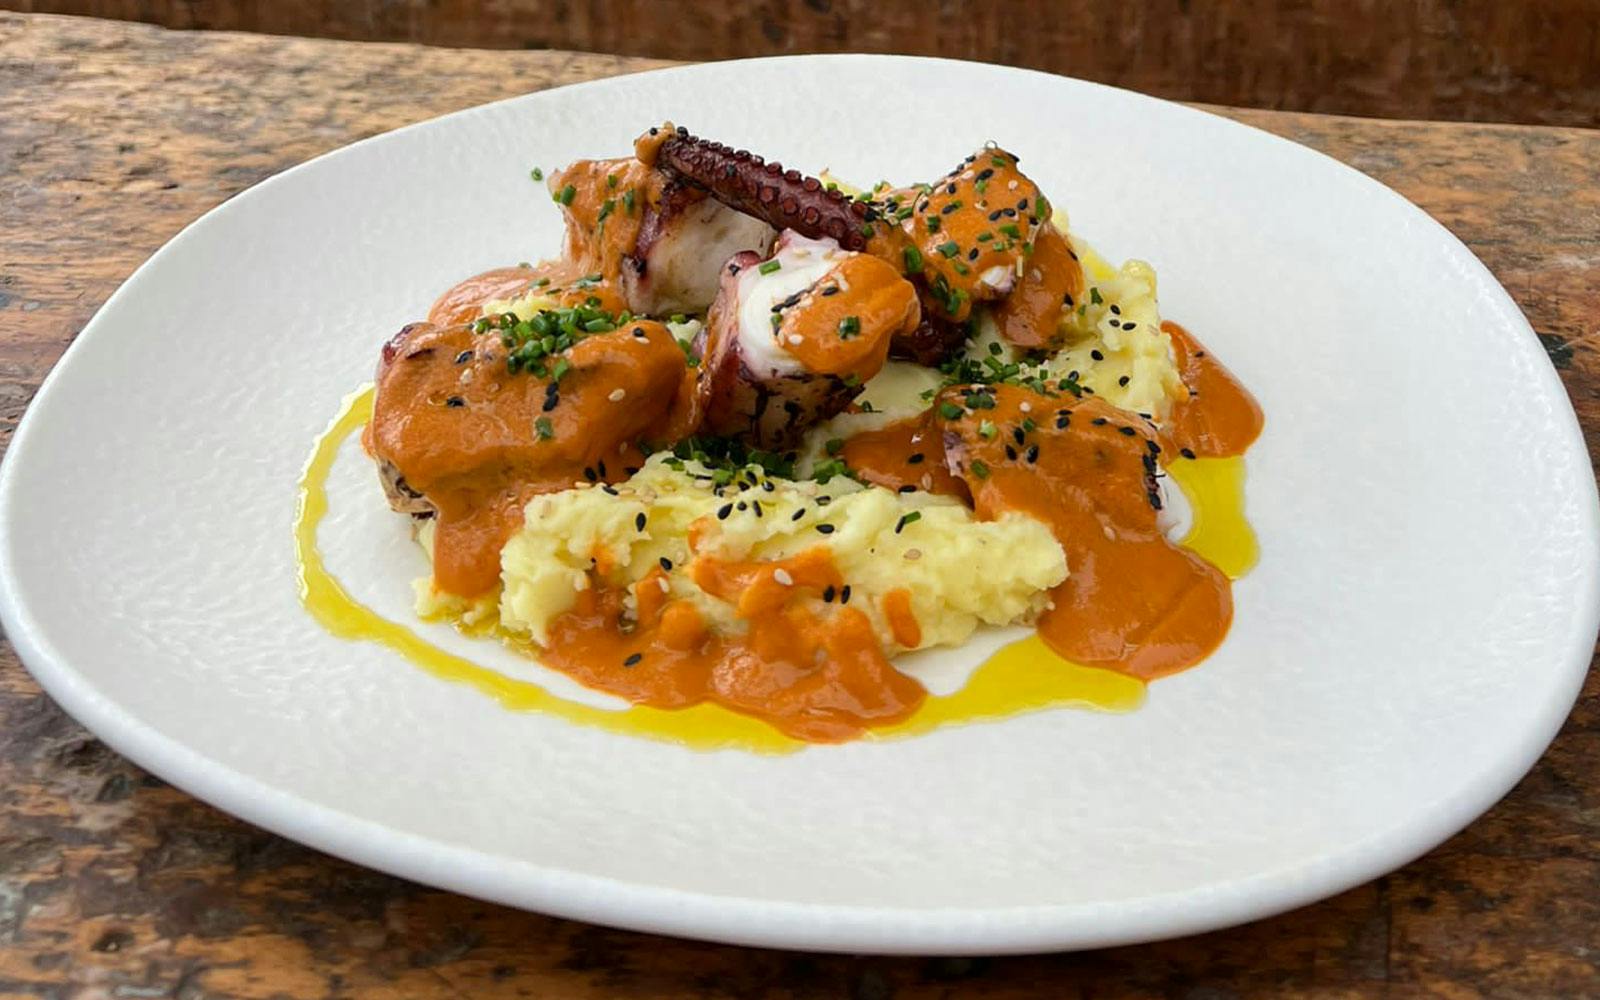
{"x":782,"y":576}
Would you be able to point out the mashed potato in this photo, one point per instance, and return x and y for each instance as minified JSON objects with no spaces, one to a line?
{"x":960,"y":572}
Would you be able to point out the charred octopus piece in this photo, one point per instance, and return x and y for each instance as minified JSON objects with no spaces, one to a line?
{"x":683,"y":240}
{"x":790,"y":341}
{"x":784,"y":199}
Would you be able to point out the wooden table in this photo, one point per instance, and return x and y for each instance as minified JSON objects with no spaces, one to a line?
{"x":113,"y":884}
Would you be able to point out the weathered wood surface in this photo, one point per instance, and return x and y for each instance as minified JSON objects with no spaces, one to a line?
{"x":1534,"y":61}
{"x":112,"y":884}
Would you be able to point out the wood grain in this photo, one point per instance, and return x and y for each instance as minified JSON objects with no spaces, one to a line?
{"x":112,"y":884}
{"x":1535,"y":61}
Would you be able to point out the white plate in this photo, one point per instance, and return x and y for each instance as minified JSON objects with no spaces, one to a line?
{"x":1416,"y":631}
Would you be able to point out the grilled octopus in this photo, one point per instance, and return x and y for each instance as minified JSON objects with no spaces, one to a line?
{"x":790,"y":341}
{"x":980,"y":234}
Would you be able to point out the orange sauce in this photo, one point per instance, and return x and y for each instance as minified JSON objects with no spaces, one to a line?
{"x":978,"y":220}
{"x":905,"y":455}
{"x":1220,"y":418}
{"x":1051,"y":278}
{"x":903,"y":624}
{"x":813,"y":670}
{"x":464,"y":302}
{"x":464,"y":431}
{"x":844,"y":325}
{"x":604,"y":203}
{"x":1134,"y":601}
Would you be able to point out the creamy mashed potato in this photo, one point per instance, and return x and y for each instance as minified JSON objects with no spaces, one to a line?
{"x":959,"y":572}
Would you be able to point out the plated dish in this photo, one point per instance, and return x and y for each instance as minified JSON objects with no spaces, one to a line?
{"x":753,"y":434}
{"x":1409,"y":640}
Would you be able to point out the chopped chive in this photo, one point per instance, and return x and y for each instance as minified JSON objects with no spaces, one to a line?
{"x":949,"y":249}
{"x":536,"y":174}
{"x":979,"y":469}
{"x":566,"y":194}
{"x":949,"y":411}
{"x":769,"y":266}
{"x":543,"y":426}
{"x":913,"y":260}
{"x":849,"y":327}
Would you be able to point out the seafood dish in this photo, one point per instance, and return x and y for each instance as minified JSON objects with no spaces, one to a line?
{"x":755,"y":440}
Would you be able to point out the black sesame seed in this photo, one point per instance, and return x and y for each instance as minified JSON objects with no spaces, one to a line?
{"x":1128,"y":431}
{"x":828,"y":594}
{"x":1116,"y":310}
{"x":602,"y":469}
{"x":666,"y":564}
{"x":825,"y":529}
{"x":455,"y":402}
{"x":1032,"y":454}
{"x":1123,"y":380}
{"x":638,"y":331}
{"x":639,"y":521}
{"x":797,"y":515}
{"x":724,"y":511}
{"x":1155,"y":499}
{"x":1018,"y":435}
{"x":630,"y":469}
{"x":633,"y":660}
{"x":1097,"y":355}
{"x":994,"y":216}
{"x":589,"y":474}
{"x":1186,"y":453}
{"x":844,"y":595}
{"x":463,"y":357}
{"x":757,"y":505}
{"x":907,"y":488}
{"x":551,"y":401}
{"x":915,"y":458}
{"x":611,"y":490}
{"x":1099,"y":421}
{"x":1011,"y":453}
{"x":830,"y":290}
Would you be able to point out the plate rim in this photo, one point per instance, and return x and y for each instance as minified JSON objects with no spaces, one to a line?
{"x":756,"y":921}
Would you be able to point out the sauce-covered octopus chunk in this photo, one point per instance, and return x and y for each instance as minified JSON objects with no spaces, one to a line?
{"x":968,"y":238}
{"x":473,"y":421}
{"x":637,"y":239}
{"x":789,"y":341}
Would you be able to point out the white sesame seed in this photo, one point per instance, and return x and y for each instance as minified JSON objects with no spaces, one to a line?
{"x":782,"y":576}
{"x":795,"y":338}
{"x":617,"y":394}
{"x":913,"y":554}
{"x":1026,"y":407}
{"x":1011,"y":185}
{"x":666,"y":588}
{"x":580,"y":583}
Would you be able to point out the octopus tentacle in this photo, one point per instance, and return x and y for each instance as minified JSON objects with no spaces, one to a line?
{"x":784,"y":199}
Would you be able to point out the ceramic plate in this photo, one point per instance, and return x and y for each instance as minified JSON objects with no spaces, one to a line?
{"x":1415,"y":633}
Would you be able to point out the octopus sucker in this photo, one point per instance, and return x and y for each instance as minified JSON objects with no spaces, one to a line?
{"x":765,"y":189}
